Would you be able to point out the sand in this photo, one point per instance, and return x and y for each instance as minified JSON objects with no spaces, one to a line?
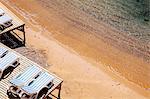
{"x":89,"y":71}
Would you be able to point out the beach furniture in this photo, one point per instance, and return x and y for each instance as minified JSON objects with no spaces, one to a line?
{"x":38,"y":88}
{"x":5,"y":21}
{"x":22,"y":79}
{"x":8,"y":63}
{"x":2,"y":12}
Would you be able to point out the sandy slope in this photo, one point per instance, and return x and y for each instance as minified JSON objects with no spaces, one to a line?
{"x":86,"y":76}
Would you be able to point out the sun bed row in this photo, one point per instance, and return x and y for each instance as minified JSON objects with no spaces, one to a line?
{"x":32,"y":83}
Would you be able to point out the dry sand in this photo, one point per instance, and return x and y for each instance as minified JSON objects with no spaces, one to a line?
{"x":90,"y":66}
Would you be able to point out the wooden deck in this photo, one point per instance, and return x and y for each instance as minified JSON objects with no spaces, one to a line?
{"x":24,"y":63}
{"x":17,"y":22}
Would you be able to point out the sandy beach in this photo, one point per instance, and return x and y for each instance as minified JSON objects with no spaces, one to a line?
{"x":94,"y":59}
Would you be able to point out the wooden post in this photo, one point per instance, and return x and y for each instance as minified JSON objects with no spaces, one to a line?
{"x":24,"y":42}
{"x":24,"y":35}
{"x":22,"y":28}
{"x":59,"y":91}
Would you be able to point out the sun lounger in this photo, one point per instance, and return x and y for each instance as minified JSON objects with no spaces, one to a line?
{"x":27,"y":75}
{"x":39,"y":86}
{"x":8,"y":63}
{"x":5,"y":21}
{"x":22,"y":79}
{"x":2,"y":12}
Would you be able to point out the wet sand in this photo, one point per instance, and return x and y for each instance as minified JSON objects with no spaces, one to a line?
{"x":90,"y":66}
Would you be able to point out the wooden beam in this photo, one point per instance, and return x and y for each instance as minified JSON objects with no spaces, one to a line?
{"x":22,"y":29}
{"x":59,"y":92}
